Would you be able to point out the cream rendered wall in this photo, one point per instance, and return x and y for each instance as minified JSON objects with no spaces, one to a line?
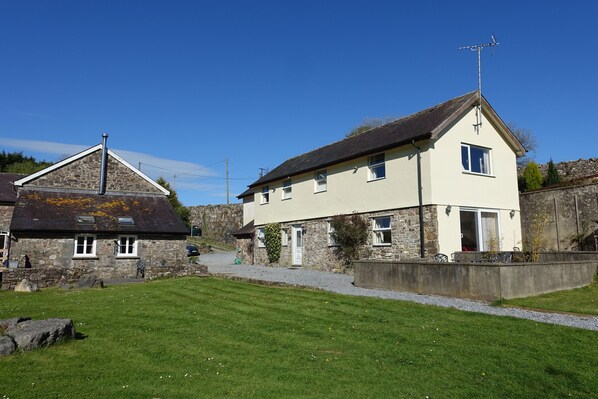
{"x":459,"y":189}
{"x":348,"y":190}
{"x":248,"y":209}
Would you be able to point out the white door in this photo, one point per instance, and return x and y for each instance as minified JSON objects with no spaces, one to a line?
{"x":297,"y":245}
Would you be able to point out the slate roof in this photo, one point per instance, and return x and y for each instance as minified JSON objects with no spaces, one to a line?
{"x":51,"y":211}
{"x":245,"y":231}
{"x":7,"y":192}
{"x":422,"y":125}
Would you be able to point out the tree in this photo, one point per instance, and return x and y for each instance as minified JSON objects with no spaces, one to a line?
{"x":527,"y":139}
{"x":368,"y":124}
{"x":532,"y":176}
{"x":183,"y":212}
{"x":552,"y":175}
{"x":16,"y":162}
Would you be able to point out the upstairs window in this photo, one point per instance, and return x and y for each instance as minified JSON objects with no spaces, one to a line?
{"x":265,"y":195}
{"x":377,"y":167}
{"x":382,"y":234}
{"x":287,"y":190}
{"x":321,"y":178}
{"x":85,"y":245}
{"x":127,"y":246}
{"x":475,"y":159}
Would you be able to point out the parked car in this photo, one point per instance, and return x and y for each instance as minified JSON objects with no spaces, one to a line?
{"x":192,"y":250}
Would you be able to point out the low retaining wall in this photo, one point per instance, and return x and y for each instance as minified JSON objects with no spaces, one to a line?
{"x":481,"y":281}
{"x":57,"y":277}
{"x":42,"y":277}
{"x":154,"y":272}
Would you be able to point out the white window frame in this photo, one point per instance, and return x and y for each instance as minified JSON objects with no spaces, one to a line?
{"x":287,"y":190}
{"x":284,"y":238}
{"x":331,"y":241}
{"x":85,"y":238}
{"x":129,"y":251}
{"x":485,"y":166}
{"x":265,"y":195}
{"x":375,"y":166}
{"x":320,"y":181}
{"x":378,"y":231}
{"x":482,"y":240}
{"x":261,"y":237}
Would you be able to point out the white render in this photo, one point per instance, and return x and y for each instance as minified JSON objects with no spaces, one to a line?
{"x":444,"y":183}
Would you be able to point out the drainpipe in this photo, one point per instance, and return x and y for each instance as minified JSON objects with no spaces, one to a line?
{"x":421,"y":205}
{"x":104,"y":165}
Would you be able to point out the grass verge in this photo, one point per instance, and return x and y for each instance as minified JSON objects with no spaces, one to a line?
{"x":212,"y":338}
{"x":581,"y":300}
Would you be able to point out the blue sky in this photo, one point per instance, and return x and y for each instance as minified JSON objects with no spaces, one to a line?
{"x":183,"y":86}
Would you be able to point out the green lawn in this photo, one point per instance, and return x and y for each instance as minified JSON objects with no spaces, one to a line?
{"x":582,"y":300}
{"x":214,"y":338}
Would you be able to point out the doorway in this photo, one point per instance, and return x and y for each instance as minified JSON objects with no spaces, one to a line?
{"x":297,"y":244}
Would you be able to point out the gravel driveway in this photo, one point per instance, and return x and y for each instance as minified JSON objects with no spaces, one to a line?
{"x":222,"y":263}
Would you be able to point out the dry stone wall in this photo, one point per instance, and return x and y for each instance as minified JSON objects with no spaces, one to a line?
{"x":218,"y":222}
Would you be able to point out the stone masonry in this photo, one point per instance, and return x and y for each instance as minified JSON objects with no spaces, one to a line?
{"x":218,"y":222}
{"x":317,"y":254}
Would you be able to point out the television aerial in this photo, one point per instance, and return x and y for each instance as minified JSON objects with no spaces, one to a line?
{"x":479,"y":48}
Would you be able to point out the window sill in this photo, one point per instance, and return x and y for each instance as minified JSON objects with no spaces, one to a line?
{"x":127,"y":256}
{"x":382,"y":245}
{"x":286,"y":199}
{"x":378,"y":179}
{"x":86,"y":257}
{"x":320,"y":191}
{"x":465,"y":172}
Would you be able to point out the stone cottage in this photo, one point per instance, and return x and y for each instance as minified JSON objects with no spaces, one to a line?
{"x":93,"y":210}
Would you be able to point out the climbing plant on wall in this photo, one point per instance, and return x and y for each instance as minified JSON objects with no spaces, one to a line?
{"x":272,"y":241}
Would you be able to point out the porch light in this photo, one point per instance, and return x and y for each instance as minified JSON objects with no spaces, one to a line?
{"x":512,"y":213}
{"x":448,"y":209}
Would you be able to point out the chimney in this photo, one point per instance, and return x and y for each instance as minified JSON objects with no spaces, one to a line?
{"x":104,"y":165}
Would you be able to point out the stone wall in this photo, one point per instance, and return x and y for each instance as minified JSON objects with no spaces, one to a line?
{"x":189,"y":270}
{"x":42,"y":277}
{"x":317,"y":254}
{"x":218,"y":222}
{"x":58,"y":252}
{"x":84,"y":174}
{"x":6,"y":212}
{"x":569,"y":212}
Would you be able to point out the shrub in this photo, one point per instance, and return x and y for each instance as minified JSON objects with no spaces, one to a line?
{"x":350,"y":232}
{"x":532,"y":176}
{"x":272,"y":241}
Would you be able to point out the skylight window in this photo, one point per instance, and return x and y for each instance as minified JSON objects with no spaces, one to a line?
{"x":126,"y":220}
{"x":85,"y":219}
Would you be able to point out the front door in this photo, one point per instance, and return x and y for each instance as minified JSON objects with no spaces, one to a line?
{"x":4,"y":241}
{"x":297,"y":245}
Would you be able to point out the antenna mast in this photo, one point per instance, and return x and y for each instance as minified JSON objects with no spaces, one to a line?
{"x":478,"y":48}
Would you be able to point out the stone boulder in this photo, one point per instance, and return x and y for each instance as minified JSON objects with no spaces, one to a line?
{"x":26,"y":286}
{"x":7,"y":345}
{"x":32,"y":334}
{"x":89,"y":281}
